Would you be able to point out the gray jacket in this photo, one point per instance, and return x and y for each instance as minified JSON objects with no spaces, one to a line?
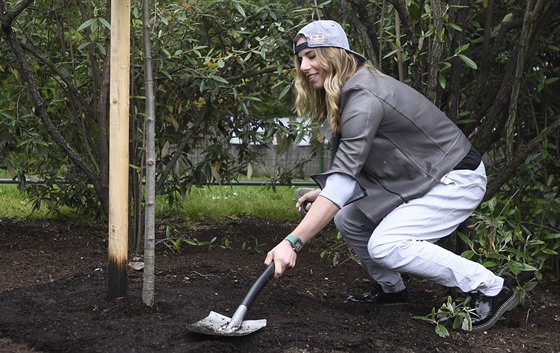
{"x":393,"y":141}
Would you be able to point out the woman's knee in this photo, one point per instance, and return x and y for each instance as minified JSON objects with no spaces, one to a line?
{"x":349,"y":222}
{"x":384,"y":253}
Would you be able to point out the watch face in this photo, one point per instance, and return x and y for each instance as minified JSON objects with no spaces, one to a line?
{"x":298,"y":245}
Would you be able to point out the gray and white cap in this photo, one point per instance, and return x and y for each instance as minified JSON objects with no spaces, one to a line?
{"x":324,"y":33}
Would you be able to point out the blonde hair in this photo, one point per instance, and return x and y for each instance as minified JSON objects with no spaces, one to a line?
{"x":337,"y":66}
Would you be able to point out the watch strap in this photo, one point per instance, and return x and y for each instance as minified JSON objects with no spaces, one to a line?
{"x":296,"y":242}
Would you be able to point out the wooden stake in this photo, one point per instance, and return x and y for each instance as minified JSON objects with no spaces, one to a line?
{"x":118,"y":148}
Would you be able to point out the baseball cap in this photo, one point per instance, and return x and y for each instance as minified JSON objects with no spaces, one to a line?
{"x":324,"y":33}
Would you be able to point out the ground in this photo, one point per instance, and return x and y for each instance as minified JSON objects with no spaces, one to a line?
{"x":54,"y":284}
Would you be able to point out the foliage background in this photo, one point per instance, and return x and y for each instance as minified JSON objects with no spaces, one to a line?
{"x":223,"y":69}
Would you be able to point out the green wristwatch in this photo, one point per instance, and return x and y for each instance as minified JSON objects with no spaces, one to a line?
{"x":296,"y":242}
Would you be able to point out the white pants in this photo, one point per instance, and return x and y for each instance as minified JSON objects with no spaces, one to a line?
{"x":404,"y":241}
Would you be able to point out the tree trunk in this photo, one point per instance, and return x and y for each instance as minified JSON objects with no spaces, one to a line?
{"x":149,"y":131}
{"x":435,"y":53}
{"x":526,"y":34}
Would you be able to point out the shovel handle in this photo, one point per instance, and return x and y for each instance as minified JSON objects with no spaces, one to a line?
{"x":259,"y":285}
{"x":303,"y":209}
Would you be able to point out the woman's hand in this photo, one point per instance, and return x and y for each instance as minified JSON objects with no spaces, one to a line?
{"x":307,"y":199}
{"x":284,"y":257}
{"x":319,"y":215}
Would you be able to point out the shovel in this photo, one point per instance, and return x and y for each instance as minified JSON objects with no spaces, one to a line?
{"x":220,"y":325}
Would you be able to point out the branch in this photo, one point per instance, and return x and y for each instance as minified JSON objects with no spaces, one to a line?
{"x":500,"y":179}
{"x":71,"y":88}
{"x":524,"y":42}
{"x":67,"y":81}
{"x":493,"y":116}
{"x":176,"y":155}
{"x":365,"y":20}
{"x":411,"y":36}
{"x":9,"y":16}
{"x":493,"y":120}
{"x":435,"y":53}
{"x":41,"y":110}
{"x":486,"y":64}
{"x":251,"y":74}
{"x":406,"y":20}
{"x":458,"y":14}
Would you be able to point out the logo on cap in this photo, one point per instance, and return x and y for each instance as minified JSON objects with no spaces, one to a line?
{"x":317,"y":39}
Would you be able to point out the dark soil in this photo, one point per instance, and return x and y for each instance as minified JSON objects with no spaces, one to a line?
{"x":54,"y":285}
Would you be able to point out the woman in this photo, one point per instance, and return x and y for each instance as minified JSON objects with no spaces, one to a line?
{"x":403,"y":176}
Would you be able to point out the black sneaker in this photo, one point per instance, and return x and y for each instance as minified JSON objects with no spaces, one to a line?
{"x":490,"y":309}
{"x":376,"y":296}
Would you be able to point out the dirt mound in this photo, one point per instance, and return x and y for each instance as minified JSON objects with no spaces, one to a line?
{"x":53,"y":287}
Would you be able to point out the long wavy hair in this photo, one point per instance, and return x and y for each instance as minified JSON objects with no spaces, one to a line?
{"x":337,"y":66}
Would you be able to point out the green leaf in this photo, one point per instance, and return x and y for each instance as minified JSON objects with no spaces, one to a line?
{"x":430,"y":31}
{"x":284,"y":92}
{"x":86,"y":24}
{"x":442,"y":81}
{"x":240,"y":9}
{"x":492,"y":203}
{"x":462,"y":48}
{"x":468,"y":254}
{"x":442,"y":331}
{"x":529,"y":286}
{"x":391,"y":53}
{"x":219,"y":79}
{"x":518,"y":267}
{"x":455,"y":27}
{"x":466,"y":121}
{"x":424,"y":318}
{"x":105,"y":23}
{"x":468,"y":61}
{"x":458,"y":322}
{"x":490,"y":264}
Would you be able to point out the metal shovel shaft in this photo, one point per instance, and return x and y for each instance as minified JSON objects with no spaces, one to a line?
{"x":239,"y":314}
{"x":237,"y":318}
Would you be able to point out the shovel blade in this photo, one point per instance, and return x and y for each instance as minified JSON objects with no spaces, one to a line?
{"x":215,"y":324}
